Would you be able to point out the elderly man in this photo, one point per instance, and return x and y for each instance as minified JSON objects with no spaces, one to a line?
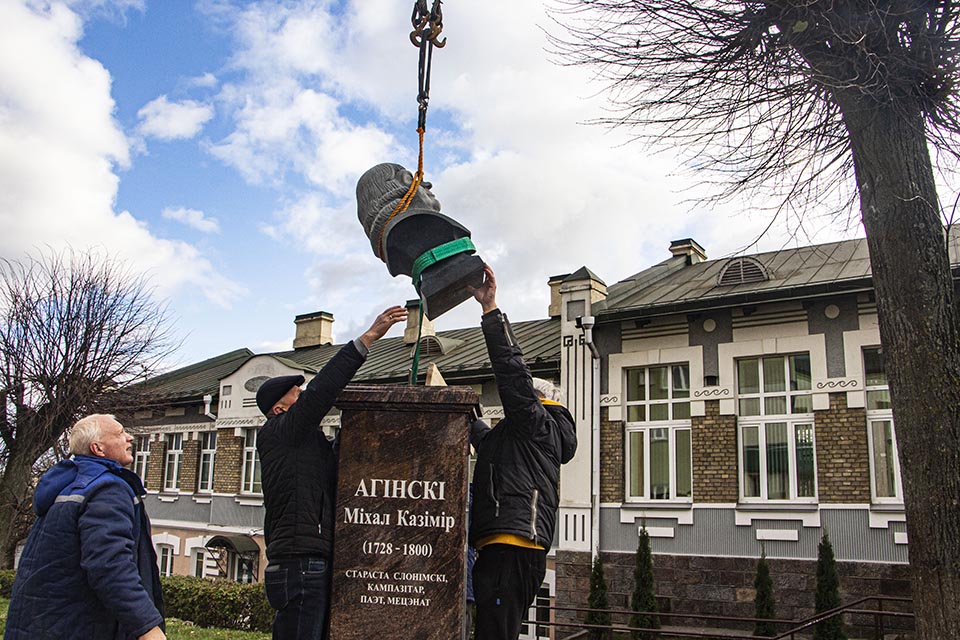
{"x":299,"y":468}
{"x":516,"y":478}
{"x":88,"y":570}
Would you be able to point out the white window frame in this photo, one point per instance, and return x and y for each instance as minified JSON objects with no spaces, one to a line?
{"x":198,"y":562}
{"x":240,"y":569}
{"x":645,"y":428}
{"x":251,"y":463}
{"x":874,"y":416}
{"x":760,"y":423}
{"x":165,"y":559}
{"x":142,"y":457}
{"x":761,"y":395}
{"x":174,"y":458}
{"x":208,"y":455}
{"x":792,"y":489}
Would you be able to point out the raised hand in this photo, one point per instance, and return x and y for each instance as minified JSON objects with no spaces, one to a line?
{"x":382,"y":324}
{"x":486,"y":294}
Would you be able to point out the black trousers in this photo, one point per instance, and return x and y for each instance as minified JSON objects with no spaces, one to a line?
{"x":505,"y":583}
{"x":299,"y":589}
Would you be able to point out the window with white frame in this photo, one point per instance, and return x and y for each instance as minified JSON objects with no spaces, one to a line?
{"x":775,"y":418}
{"x":659,"y":462}
{"x":141,"y":457}
{"x":885,"y":483}
{"x":199,"y":562}
{"x":240,"y":567}
{"x":174,"y":457}
{"x":165,"y":559}
{"x":251,"y":463}
{"x":208,"y":451}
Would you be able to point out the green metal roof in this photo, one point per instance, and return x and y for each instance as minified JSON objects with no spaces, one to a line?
{"x":674,"y":286}
{"x":389,"y":361}
{"x":197,"y":380}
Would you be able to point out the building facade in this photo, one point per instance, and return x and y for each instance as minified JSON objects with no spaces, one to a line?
{"x":731,"y":407}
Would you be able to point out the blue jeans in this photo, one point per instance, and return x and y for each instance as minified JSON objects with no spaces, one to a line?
{"x":299,"y":589}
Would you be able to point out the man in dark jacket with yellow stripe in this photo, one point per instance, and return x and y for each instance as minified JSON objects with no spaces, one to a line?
{"x":299,"y":468}
{"x":515,"y":482}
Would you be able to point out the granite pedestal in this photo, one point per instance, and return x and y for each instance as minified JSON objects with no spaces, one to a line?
{"x":400,"y":539}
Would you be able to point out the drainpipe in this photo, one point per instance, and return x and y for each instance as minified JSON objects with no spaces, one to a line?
{"x":586,"y":324}
{"x":207,"y":401}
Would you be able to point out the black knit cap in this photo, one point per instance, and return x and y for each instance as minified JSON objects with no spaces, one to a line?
{"x":275,"y":388}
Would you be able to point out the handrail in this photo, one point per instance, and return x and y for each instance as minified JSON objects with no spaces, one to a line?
{"x":851,"y":608}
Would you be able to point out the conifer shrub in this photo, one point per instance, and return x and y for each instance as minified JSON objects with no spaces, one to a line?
{"x":828,"y":593}
{"x":644,"y":600}
{"x":598,"y":600}
{"x":765,"y":608}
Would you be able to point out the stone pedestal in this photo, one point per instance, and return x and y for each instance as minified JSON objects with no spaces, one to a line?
{"x":400,"y":540}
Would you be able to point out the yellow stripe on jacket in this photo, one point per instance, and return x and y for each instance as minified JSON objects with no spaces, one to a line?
{"x":507,"y":538}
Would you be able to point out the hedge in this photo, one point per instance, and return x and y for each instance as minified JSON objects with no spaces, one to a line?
{"x":217,"y":603}
{"x":6,"y":582}
{"x":207,"y":603}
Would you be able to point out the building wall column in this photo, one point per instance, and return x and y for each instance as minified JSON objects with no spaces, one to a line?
{"x":228,"y":461}
{"x":155,"y":465}
{"x":714,"y":443}
{"x":189,"y":464}
{"x":843,"y":462}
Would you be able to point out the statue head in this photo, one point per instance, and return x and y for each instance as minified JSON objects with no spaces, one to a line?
{"x":380,"y":190}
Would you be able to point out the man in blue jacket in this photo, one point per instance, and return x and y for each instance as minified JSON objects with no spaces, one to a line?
{"x":88,"y":570}
{"x":516,"y":479}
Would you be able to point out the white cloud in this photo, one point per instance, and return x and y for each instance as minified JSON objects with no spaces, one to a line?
{"x":59,"y":151}
{"x":206,"y":81}
{"x":319,"y":97}
{"x":192,"y":218}
{"x":167,"y":120}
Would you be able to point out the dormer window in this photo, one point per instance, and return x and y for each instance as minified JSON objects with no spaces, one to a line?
{"x":742,"y":271}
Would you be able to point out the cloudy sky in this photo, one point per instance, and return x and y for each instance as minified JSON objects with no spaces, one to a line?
{"x":216,"y":145}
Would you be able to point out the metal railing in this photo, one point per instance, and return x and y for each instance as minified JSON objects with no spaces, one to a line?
{"x":723,"y":627}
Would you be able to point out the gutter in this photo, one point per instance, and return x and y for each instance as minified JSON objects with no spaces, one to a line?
{"x":586,"y":324}
{"x":207,"y":401}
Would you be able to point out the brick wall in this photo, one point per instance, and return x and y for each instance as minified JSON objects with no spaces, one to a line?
{"x":228,"y":461}
{"x":189,"y":464}
{"x":611,"y":458}
{"x":714,"y":442}
{"x":570,"y":588}
{"x":155,"y":465}
{"x":843,"y":465}
{"x":721,"y":586}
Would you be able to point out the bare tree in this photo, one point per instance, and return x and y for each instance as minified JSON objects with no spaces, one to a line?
{"x":823,"y":102}
{"x":76,"y":330}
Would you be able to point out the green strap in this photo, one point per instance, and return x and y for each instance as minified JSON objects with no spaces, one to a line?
{"x":415,"y":368}
{"x":427,"y":259}
{"x":435,"y":255}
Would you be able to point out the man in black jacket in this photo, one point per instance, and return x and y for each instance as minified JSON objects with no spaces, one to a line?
{"x":515,"y":482}
{"x":299,"y":471}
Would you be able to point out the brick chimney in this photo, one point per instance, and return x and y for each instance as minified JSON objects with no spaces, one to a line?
{"x":413,"y":321}
{"x":690,"y":248}
{"x":313,"y":329}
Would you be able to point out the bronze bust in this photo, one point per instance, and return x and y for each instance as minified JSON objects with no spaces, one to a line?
{"x":398,"y":240}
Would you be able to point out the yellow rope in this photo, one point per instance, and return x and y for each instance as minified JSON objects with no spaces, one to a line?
{"x":408,"y":196}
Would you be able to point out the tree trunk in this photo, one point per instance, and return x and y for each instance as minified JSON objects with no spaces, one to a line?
{"x":14,"y":490}
{"x":918,"y":327}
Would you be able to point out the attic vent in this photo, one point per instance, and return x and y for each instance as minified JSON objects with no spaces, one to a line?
{"x":742,"y":271}
{"x":430,"y":346}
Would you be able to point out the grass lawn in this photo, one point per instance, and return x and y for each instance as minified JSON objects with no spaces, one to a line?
{"x":176,"y":630}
